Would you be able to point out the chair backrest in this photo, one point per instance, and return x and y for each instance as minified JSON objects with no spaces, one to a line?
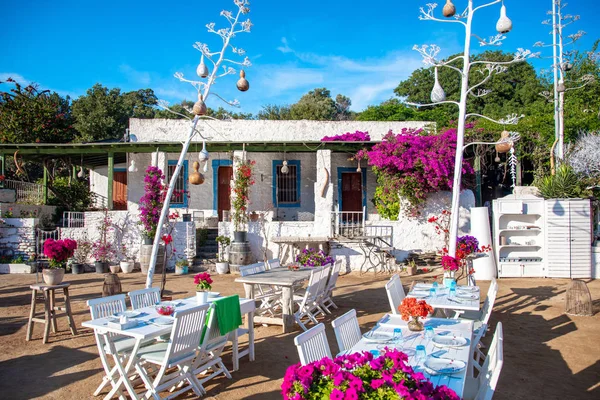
{"x":311,"y":293}
{"x":186,"y":333}
{"x":323,"y":279}
{"x":395,"y":293}
{"x":213,"y":341}
{"x":333,"y":276}
{"x":488,"y":304}
{"x":105,"y":306}
{"x":490,"y":371}
{"x":312,"y":345}
{"x":252,"y":269}
{"x":347,"y":330}
{"x":144,"y":298}
{"x":274,"y":263}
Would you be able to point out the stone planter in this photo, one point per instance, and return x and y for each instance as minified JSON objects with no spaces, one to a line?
{"x":222,"y":267}
{"x":77,"y":268}
{"x":115,"y":269}
{"x":127,"y":266}
{"x":101,"y":267}
{"x":146,"y":252}
{"x":17,"y":269}
{"x":53,"y":276}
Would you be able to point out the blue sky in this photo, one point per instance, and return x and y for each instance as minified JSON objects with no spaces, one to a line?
{"x":360,"y":49}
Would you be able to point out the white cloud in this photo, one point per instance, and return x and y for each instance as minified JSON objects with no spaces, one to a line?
{"x":285,"y":48}
{"x":276,"y":79}
{"x":137,"y":77}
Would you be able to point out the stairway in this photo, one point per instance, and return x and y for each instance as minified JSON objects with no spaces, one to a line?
{"x":206,"y":248}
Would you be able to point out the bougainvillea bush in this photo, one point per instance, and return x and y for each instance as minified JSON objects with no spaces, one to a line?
{"x":241,"y":189}
{"x":58,"y":251}
{"x":151,"y":201}
{"x":361,"y":376}
{"x":357,"y":136}
{"x":313,"y":258}
{"x":411,"y":165}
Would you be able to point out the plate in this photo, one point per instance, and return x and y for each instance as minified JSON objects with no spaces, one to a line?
{"x":444,"y":365}
{"x":449,"y":341}
{"x":419,"y":295}
{"x":423,"y":286}
{"x":214,"y":294}
{"x":129,"y":314}
{"x":378,"y":336}
{"x":467,"y":289}
{"x":163,"y":321}
{"x":467,"y":296}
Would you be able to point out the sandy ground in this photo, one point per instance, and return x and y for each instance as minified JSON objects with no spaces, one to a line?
{"x":548,"y":354}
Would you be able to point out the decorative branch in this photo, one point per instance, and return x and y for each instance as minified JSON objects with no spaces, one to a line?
{"x":512,"y":119}
{"x":486,"y":5}
{"x":432,"y":104}
{"x":492,"y":41}
{"x":427,"y":15}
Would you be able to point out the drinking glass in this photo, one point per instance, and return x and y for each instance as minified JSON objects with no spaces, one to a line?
{"x":374,"y":352}
{"x":429,"y":334}
{"x":432,"y":292}
{"x":435,"y":286}
{"x":398,"y":338}
{"x":452,"y":292}
{"x":421,"y":353}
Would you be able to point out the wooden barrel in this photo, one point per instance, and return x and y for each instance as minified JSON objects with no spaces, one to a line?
{"x":112,"y":285}
{"x":146,"y":252}
{"x":239,"y":255}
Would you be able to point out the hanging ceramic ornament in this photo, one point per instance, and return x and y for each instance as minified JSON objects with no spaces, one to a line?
{"x":504,"y":24}
{"x":449,"y":9}
{"x":203,"y":155}
{"x":437,"y":94}
{"x":202,"y":69}
{"x":199,"y":106}
{"x":81,"y":173}
{"x":497,"y":159}
{"x":196,"y":178}
{"x":505,"y":144}
{"x":560,"y":88}
{"x":242,"y":83}
{"x":567,"y":66}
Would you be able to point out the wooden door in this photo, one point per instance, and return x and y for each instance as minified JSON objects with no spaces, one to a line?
{"x":120,"y":190}
{"x":224,"y":175}
{"x":352,"y":192}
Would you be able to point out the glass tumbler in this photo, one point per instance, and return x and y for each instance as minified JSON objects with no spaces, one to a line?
{"x":421,"y":353}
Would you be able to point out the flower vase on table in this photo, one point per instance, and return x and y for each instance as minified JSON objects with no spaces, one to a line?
{"x":450,"y":265}
{"x":414,"y":325}
{"x":411,"y":310}
{"x":203,"y":283}
{"x":449,"y":277}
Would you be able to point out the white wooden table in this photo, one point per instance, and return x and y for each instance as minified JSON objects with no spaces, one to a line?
{"x":442,"y":300}
{"x":145,"y":331}
{"x":284,"y":278}
{"x":411,"y":340}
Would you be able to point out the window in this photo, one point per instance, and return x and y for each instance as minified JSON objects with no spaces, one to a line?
{"x":180,"y":200}
{"x":286,"y":187}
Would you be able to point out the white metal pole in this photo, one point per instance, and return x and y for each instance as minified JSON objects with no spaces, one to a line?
{"x":460,"y":135}
{"x":555,"y":72}
{"x":561,"y":81}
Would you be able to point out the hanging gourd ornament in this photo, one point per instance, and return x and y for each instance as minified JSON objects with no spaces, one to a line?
{"x":449,"y":9}
{"x":437,"y":93}
{"x":504,"y":24}
{"x":505,"y":144}
{"x":202,"y":69}
{"x":199,"y":106}
{"x":242,"y":83}
{"x":196,"y":178}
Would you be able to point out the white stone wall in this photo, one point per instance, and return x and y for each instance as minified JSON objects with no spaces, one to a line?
{"x":25,"y":210}
{"x":17,"y":236}
{"x":172,"y":130}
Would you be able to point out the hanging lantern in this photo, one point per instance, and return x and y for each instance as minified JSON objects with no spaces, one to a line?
{"x":567,"y":66}
{"x":242,"y":83}
{"x":199,"y":106}
{"x":505,"y":142}
{"x":196,"y":178}
{"x":203,"y":156}
{"x":284,"y":168}
{"x":132,"y":167}
{"x":504,"y":24}
{"x":449,"y":9}
{"x":202,"y":69}
{"x":437,"y":93}
{"x":81,"y":173}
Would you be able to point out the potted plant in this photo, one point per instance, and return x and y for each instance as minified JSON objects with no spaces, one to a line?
{"x":114,"y":268}
{"x":411,"y":268}
{"x":222,"y":263}
{"x":413,"y":309}
{"x":127,"y":262}
{"x":241,"y":189}
{"x":80,"y":256}
{"x":181,"y":267}
{"x":203,"y":283}
{"x":313,"y":258}
{"x":103,"y":253}
{"x":58,"y":252}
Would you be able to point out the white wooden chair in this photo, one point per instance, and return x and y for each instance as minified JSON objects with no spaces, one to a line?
{"x":312,"y":345}
{"x":144,"y":298}
{"x":321,"y":289}
{"x":481,"y":318}
{"x":269,"y":296}
{"x":179,"y":352}
{"x":211,"y":347}
{"x":274,"y":263}
{"x":483,"y":387}
{"x":100,"y":308}
{"x":347,"y":330}
{"x":395,"y":293}
{"x":307,"y":303}
{"x":326,"y":301}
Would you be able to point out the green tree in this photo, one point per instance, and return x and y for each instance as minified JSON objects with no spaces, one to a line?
{"x":315,"y":105}
{"x":28,"y":115}
{"x":104,"y":113}
{"x":275,"y":112}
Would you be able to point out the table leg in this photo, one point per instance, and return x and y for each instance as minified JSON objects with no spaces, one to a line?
{"x":31,"y":315}
{"x":287,"y":308}
{"x":68,"y":310}
{"x":250,"y":321}
{"x":53,"y":310}
{"x":47,"y":316}
{"x":235,"y":350}
{"x":249,"y":289}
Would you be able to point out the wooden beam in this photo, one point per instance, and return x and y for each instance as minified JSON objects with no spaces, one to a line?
{"x":45,"y":186}
{"x":109,"y":189}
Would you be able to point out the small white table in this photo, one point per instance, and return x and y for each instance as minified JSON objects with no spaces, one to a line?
{"x":147,"y":331}
{"x":442,"y":300}
{"x":410,"y":341}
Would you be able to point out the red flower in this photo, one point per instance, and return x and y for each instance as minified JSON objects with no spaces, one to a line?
{"x":168,"y":239}
{"x":411,"y":307}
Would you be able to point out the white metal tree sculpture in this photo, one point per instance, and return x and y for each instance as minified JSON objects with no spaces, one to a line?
{"x":487,"y":68}
{"x":220,"y":68}
{"x":559,"y":22}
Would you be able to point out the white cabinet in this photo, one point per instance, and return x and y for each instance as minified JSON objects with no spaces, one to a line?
{"x":568,"y":238}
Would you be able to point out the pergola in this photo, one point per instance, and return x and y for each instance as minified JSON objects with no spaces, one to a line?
{"x":90,"y":155}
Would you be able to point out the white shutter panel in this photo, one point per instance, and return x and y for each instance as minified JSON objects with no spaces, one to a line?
{"x":558,"y":257}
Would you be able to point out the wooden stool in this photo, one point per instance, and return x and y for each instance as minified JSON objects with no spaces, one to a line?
{"x":50,"y":309}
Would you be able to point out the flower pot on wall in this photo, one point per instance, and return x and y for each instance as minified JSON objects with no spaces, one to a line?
{"x":77,"y":268}
{"x":240,"y":236}
{"x":101,"y":267}
{"x":53,"y":276}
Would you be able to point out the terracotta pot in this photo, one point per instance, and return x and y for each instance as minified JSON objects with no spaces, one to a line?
{"x":115,"y":269}
{"x":53,"y":276}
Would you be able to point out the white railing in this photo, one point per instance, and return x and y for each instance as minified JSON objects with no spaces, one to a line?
{"x":381,"y":236}
{"x":349,"y":224}
{"x":41,"y":237}
{"x":27,"y":192}
{"x":73,"y":219}
{"x":99,"y":202}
